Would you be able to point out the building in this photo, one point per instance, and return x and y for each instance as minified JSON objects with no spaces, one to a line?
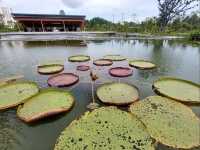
{"x":6,"y":17}
{"x":49,"y":23}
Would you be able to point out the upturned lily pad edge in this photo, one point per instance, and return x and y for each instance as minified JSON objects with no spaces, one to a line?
{"x":142,"y":68}
{"x":118,"y":104}
{"x":156,"y":90}
{"x":48,"y":113}
{"x":157,"y":140}
{"x":51,"y":72}
{"x":85,"y":60}
{"x":17,"y":104}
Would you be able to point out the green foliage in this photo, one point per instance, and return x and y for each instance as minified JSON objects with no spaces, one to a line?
{"x":182,"y":25}
{"x":4,"y":28}
{"x":195,"y":36}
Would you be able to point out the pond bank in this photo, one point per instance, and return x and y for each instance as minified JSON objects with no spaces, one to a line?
{"x":29,"y":36}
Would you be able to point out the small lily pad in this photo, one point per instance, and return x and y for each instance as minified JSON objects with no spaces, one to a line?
{"x":118,"y":93}
{"x":83,"y":68}
{"x":169,"y":122}
{"x":63,"y":80}
{"x":106,"y":128}
{"x":46,"y":103}
{"x":13,"y":94}
{"x":103,"y":62}
{"x":142,"y":64}
{"x":178,"y":89}
{"x":50,"y":69}
{"x":79,"y":58}
{"x":121,"y":72}
{"x":115,"y":57}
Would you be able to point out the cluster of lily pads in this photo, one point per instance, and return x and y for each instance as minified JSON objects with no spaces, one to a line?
{"x":162,"y":119}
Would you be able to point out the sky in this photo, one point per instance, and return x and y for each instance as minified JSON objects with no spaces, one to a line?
{"x":113,"y":10}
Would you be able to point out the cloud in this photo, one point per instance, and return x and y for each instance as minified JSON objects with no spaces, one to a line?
{"x":74,"y":3}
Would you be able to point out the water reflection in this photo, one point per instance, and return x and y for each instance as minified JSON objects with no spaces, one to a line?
{"x":173,"y":58}
{"x":76,"y":43}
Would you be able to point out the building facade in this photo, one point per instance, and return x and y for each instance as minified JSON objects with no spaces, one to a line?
{"x":49,"y":23}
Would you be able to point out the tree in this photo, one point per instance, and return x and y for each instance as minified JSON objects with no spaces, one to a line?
{"x":170,"y":9}
{"x":62,"y":12}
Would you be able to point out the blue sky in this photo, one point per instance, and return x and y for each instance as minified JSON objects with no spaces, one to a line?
{"x":136,"y":10}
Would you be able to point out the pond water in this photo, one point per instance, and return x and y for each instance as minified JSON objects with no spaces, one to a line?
{"x":174,"y":58}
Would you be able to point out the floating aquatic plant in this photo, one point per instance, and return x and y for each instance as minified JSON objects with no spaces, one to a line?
{"x":118,"y":93}
{"x":178,"y":89}
{"x":46,"y":103}
{"x":169,"y":122}
{"x":105,"y":128}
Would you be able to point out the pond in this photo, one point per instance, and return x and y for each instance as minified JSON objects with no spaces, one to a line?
{"x":174,"y":58}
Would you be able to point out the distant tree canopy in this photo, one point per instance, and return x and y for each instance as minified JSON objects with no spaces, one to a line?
{"x":181,"y":24}
{"x":170,"y":9}
{"x":62,"y":12}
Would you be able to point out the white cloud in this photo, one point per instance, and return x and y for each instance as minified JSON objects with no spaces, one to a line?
{"x":91,"y":8}
{"x":74,"y":3}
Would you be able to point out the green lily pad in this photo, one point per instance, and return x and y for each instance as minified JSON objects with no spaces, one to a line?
{"x":142,"y":64}
{"x":169,"y":122}
{"x":46,"y":103}
{"x":178,"y":89}
{"x":50,"y":69}
{"x":103,"y":62}
{"x":13,"y":94}
{"x":118,"y":93}
{"x":79,"y":58}
{"x":114,"y":57}
{"x":105,"y":128}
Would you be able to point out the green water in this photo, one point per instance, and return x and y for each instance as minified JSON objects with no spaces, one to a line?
{"x":174,"y":58}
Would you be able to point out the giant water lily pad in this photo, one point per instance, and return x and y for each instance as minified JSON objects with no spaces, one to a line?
{"x":79,"y":58}
{"x":121,"y":72}
{"x":169,"y":122}
{"x":50,"y":69}
{"x":178,"y":89}
{"x":63,"y":80}
{"x":117,"y":93}
{"x":115,"y":57}
{"x":142,"y":64}
{"x":105,"y":128}
{"x":47,"y":103}
{"x":13,"y":94}
{"x":83,"y":68}
{"x":103,"y":62}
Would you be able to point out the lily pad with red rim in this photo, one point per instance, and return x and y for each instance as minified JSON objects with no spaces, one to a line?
{"x":121,"y":72}
{"x":63,"y":80}
{"x":83,"y":68}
